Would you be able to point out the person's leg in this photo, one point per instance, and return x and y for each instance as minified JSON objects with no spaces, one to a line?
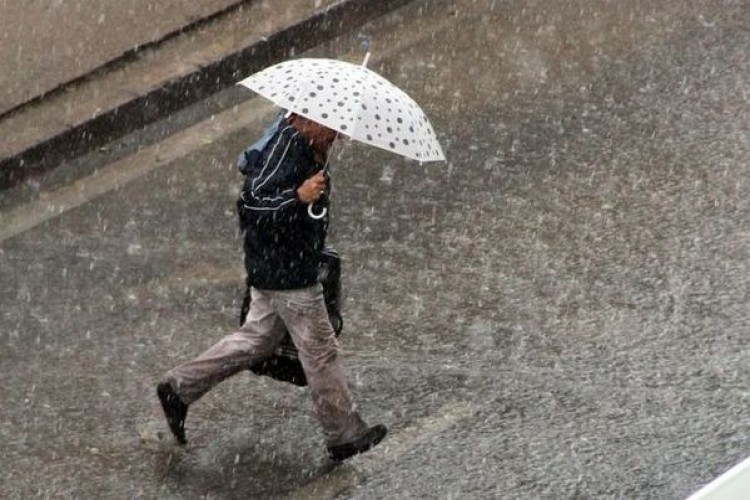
{"x":254,"y":341}
{"x":306,"y":318}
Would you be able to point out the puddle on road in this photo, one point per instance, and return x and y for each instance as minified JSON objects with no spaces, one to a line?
{"x":353,"y":472}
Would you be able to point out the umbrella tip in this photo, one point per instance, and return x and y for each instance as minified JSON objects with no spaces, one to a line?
{"x":364,"y":40}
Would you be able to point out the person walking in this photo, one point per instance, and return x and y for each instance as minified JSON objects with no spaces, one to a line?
{"x":283,"y":244}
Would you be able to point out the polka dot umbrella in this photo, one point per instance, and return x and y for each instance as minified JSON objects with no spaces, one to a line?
{"x":352,"y":100}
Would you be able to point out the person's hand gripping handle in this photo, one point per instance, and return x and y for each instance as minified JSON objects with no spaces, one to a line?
{"x":311,"y":191}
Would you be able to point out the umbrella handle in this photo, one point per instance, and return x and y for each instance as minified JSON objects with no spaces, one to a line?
{"x":315,"y":216}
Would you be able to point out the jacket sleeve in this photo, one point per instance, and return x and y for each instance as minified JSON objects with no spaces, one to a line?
{"x":255,"y":202}
{"x":258,"y":198}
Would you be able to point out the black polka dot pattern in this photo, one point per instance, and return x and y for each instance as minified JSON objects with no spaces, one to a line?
{"x":352,"y":100}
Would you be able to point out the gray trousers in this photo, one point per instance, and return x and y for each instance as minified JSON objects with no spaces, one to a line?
{"x":304,"y":315}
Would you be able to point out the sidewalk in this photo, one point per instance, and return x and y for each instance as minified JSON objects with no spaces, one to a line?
{"x":177,"y":66}
{"x":48,"y":44}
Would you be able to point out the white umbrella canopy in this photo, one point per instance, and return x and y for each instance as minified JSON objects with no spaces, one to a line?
{"x":352,"y":100}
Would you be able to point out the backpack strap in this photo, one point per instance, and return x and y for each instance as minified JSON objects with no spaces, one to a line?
{"x":254,"y":151}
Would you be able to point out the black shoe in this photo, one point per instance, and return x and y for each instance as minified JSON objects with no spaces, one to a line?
{"x":373,"y":436}
{"x":174,"y":409}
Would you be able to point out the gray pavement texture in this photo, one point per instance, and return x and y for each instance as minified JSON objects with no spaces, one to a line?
{"x":44,"y":44}
{"x":185,"y":65}
{"x":560,"y":311}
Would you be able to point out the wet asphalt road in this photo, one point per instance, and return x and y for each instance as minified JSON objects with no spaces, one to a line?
{"x":557,"y":312}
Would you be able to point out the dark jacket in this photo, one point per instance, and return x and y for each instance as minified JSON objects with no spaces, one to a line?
{"x":282,"y":242}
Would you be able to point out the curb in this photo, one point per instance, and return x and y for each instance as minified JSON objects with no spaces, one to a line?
{"x":125,"y":57}
{"x":182,"y":91}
